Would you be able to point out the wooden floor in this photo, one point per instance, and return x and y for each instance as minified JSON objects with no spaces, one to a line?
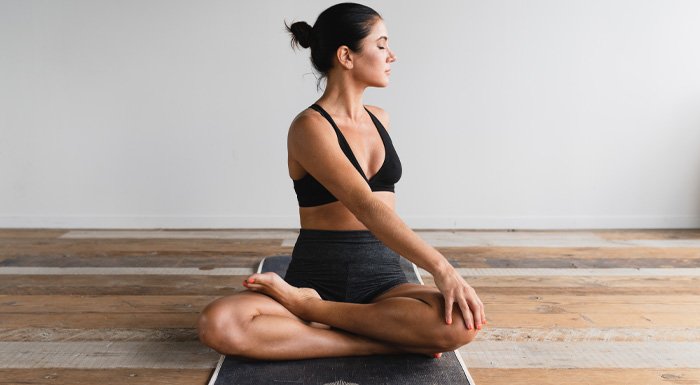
{"x":564,"y":307}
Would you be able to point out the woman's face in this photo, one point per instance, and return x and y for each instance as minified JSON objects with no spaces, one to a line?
{"x":373,"y":64}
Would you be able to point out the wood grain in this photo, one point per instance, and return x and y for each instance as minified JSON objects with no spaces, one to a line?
{"x":555,"y":322}
{"x":133,"y":376}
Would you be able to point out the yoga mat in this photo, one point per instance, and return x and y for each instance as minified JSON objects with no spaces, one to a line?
{"x":404,"y":369}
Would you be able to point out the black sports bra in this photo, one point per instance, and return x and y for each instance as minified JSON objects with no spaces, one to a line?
{"x":311,"y":192}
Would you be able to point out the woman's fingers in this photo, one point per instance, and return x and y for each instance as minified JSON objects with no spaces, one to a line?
{"x":466,"y":314}
{"x":448,"y":309}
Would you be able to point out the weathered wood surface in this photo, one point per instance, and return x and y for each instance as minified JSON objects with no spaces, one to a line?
{"x":610,"y":321}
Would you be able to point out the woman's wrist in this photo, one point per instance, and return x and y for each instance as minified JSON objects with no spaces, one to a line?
{"x":440,"y":266}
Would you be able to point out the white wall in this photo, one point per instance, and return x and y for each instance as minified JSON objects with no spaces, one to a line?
{"x":506,"y":114}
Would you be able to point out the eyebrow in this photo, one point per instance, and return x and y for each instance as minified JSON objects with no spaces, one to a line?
{"x":383,"y":37}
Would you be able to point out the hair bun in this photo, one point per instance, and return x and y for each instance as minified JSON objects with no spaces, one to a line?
{"x":302,"y":33}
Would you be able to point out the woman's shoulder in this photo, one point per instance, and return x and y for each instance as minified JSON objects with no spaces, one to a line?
{"x":309,"y":127}
{"x":308,"y":119}
{"x":382,"y":115}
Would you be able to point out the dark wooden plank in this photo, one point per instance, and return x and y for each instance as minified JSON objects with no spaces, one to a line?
{"x":143,"y":247}
{"x":107,"y":334}
{"x":214,"y":285}
{"x":105,"y":376}
{"x":582,"y":257}
{"x":225,"y":285}
{"x":201,"y":260}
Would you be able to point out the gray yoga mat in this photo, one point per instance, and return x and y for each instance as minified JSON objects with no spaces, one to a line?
{"x":404,"y":369}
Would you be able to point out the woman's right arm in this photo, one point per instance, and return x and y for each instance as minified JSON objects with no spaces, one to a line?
{"x":316,"y":148}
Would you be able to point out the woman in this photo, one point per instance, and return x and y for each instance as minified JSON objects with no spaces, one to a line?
{"x":344,"y":293}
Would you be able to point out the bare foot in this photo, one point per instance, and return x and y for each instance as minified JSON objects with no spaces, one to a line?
{"x":271,"y":284}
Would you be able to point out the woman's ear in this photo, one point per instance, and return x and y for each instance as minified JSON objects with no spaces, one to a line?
{"x":344,"y":56}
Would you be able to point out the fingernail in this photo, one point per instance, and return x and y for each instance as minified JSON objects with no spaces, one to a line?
{"x":471,"y":327}
{"x":449,"y":322}
{"x":479,"y":327}
{"x":251,"y":280}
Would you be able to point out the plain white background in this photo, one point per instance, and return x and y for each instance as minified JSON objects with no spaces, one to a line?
{"x":506,"y":114}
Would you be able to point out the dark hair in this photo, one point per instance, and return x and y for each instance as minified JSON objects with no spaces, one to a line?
{"x":342,"y":24}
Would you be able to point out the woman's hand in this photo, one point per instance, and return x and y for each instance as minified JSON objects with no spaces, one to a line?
{"x":456,"y":290}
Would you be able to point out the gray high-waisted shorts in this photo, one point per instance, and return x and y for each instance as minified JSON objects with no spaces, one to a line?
{"x":344,"y":265}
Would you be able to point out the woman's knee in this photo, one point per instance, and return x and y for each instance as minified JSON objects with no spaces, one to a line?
{"x":453,"y":336}
{"x":220,"y":326}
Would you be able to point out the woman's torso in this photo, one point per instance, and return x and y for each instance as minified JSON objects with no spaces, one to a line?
{"x":368,"y":148}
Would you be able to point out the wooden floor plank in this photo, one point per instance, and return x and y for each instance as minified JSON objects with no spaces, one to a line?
{"x":143,"y":247}
{"x":182,"y":234}
{"x":107,"y":354}
{"x":99,"y":320}
{"x":57,"y":376}
{"x":6,"y":234}
{"x":478,"y":354}
{"x":29,"y":334}
{"x":566,"y":253}
{"x":614,"y":235}
{"x":592,"y":376}
{"x":536,"y":304}
{"x":224,"y":285}
{"x":491,"y":333}
{"x":547,"y":324}
{"x":549,"y":354}
{"x":201,"y":260}
{"x":120,"y":285}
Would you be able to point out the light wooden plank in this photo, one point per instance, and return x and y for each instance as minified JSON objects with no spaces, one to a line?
{"x":99,"y":320}
{"x":590,"y":334}
{"x":622,"y":272}
{"x":585,"y":281}
{"x":481,"y":254}
{"x":657,"y":354}
{"x":613,"y":235}
{"x":226,"y":271}
{"x":592,"y":376}
{"x":30,"y":233}
{"x":107,"y":334}
{"x":478,"y":354}
{"x":587,"y":320}
{"x":181,"y":234}
{"x":106,"y":354}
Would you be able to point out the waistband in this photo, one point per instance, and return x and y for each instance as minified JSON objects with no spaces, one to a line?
{"x":313,"y":234}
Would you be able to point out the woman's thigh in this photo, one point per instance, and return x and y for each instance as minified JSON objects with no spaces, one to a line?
{"x":429,"y":295}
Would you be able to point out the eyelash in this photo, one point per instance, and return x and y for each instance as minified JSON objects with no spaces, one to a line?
{"x":381,"y":47}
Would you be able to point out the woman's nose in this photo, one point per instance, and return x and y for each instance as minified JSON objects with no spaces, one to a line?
{"x":393,"y":57}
